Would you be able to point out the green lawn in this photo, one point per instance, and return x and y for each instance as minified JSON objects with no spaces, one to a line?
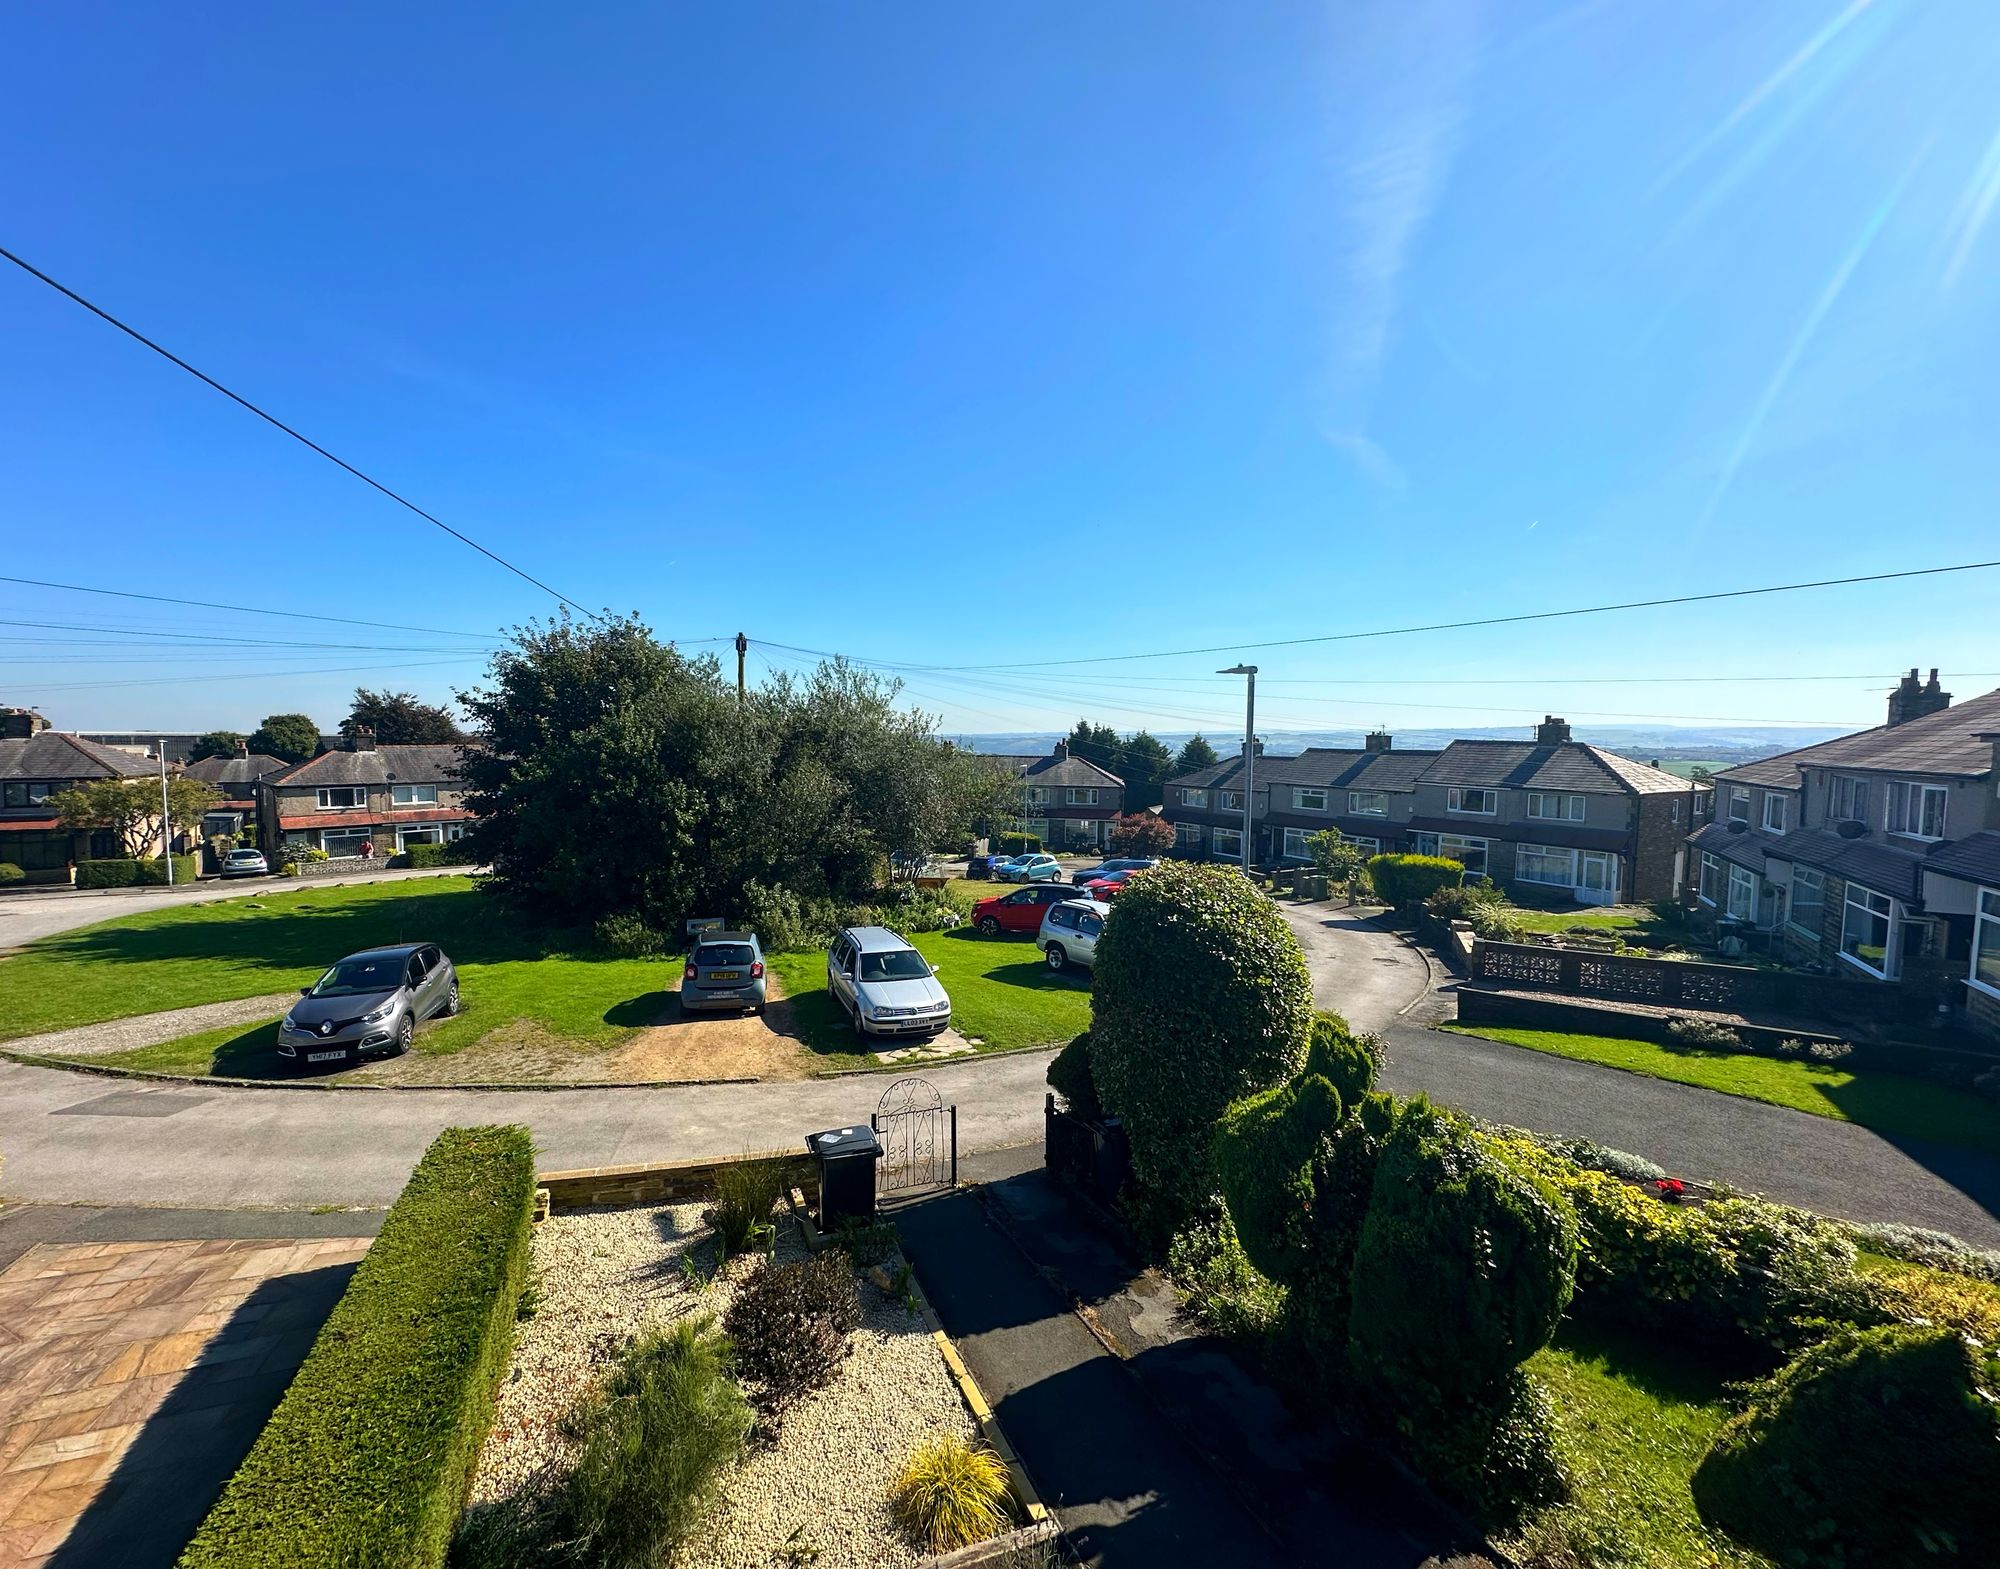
{"x":1002,"y":995}
{"x":1635,"y":1416}
{"x":1623,"y":920}
{"x":1889,"y":1103}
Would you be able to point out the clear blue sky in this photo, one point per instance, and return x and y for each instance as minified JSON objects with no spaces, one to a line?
{"x":952,"y":335}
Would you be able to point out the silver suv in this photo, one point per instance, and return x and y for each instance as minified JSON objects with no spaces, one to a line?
{"x":1070,"y":931}
{"x":369,"y":1002}
{"x":885,"y":985}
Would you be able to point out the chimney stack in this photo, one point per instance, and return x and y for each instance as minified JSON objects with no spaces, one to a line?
{"x":1378,"y":741}
{"x":1913,"y":700}
{"x":363,"y":739}
{"x":18,"y":724}
{"x":1551,"y":731}
{"x":1062,"y":749}
{"x":242,"y":748}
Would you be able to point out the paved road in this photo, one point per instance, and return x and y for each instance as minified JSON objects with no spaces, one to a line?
{"x":26,"y":916}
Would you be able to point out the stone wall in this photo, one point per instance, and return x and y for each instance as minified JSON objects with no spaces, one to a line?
{"x":354,"y":863}
{"x":657,"y":1182}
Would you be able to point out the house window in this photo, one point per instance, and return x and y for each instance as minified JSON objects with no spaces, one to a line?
{"x":1368,"y":803}
{"x":1295,"y":844}
{"x":1309,"y":800}
{"x":1710,"y":887}
{"x":343,"y":843}
{"x":19,"y":794}
{"x":1472,"y":852}
{"x":1739,"y":804}
{"x":1080,"y":795}
{"x":1848,"y":801}
{"x":1566,"y":808}
{"x":342,"y":798}
{"x":1866,"y":925}
{"x":1232,"y":800}
{"x":1537,"y":863}
{"x":1916,"y":810}
{"x":1364,"y":844}
{"x":1226,"y":841}
{"x":1194,"y":798}
{"x":413,"y":795}
{"x":1742,"y":894}
{"x":429,"y":833}
{"x":1775,"y":807}
{"x":1808,"y":901}
{"x":1480,"y":803}
{"x":1986,"y":943}
{"x":1188,"y":836}
{"x":1038,"y":795}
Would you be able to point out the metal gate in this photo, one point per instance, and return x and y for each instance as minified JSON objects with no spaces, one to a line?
{"x":919,"y":1137}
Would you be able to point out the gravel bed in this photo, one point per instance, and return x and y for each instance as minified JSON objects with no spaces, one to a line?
{"x":151,"y":1029}
{"x":606,"y":1274}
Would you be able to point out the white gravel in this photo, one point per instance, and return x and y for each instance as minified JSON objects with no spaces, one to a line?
{"x":606,"y":1274}
{"x":150,"y":1029}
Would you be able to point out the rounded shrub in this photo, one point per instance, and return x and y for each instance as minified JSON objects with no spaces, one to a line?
{"x":1070,"y":1077}
{"x":1411,"y":879}
{"x":1199,"y":997}
{"x":1266,"y":1152}
{"x":626,"y":936}
{"x":950,"y":1495}
{"x":1878,"y":1447}
{"x":790,"y":1323}
{"x":1345,"y":1060}
{"x":10,"y":873}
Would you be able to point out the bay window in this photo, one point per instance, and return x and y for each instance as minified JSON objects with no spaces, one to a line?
{"x":1226,"y":841}
{"x":1538,"y":863}
{"x":1742,"y":894}
{"x":1808,"y":901}
{"x":1710,"y":885}
{"x":1867,"y":922}
{"x":1986,"y":943}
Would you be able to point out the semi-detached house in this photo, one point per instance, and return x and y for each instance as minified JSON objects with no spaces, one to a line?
{"x":1874,"y":855}
{"x":1553,"y":813}
{"x":389,"y":796}
{"x":1068,"y":802}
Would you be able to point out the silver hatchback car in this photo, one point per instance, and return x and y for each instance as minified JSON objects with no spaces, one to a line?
{"x":725,"y":972}
{"x":369,"y":1002}
{"x":1070,"y":931}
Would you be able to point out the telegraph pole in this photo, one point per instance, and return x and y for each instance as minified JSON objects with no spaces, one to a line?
{"x":166,"y":814}
{"x":742,"y":648}
{"x":1249,"y":756}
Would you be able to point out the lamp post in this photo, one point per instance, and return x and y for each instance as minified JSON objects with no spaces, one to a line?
{"x":166,"y":815}
{"x":1249,"y":753}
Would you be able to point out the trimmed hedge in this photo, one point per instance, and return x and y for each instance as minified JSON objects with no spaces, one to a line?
{"x":1070,"y":1077}
{"x":455,"y":852}
{"x":1019,"y":844}
{"x":10,"y":873}
{"x":367,"y":1459}
{"x":119,"y":873}
{"x":1411,"y":879}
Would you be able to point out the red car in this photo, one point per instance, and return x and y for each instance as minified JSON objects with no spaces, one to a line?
{"x":1022,"y":910}
{"x":1107,"y":886}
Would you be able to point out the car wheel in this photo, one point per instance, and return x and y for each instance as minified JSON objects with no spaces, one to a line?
{"x":988,"y":926}
{"x":1058,"y":956}
{"x":860,"y":1024}
{"x":451,"y":1004}
{"x":405,"y":1033}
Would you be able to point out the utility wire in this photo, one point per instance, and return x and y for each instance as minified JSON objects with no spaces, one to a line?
{"x":272,"y":419}
{"x":248,"y":610}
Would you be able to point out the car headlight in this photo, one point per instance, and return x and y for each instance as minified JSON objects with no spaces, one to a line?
{"x":288,"y":1023}
{"x":373,"y":1015}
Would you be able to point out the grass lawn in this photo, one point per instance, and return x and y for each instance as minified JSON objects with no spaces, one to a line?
{"x":1635,"y":1418}
{"x":1002,"y":995}
{"x":1626,"y":920}
{"x":1886,"y":1102}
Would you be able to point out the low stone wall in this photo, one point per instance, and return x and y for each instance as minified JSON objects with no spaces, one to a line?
{"x":658,"y":1182}
{"x":353,"y":863}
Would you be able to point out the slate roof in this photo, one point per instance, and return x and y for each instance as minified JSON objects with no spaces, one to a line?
{"x":1746,"y":849}
{"x":1973,"y":859}
{"x":1877,"y":866}
{"x":1946,"y":742}
{"x":384,"y":765}
{"x":1772,"y":773}
{"x":1337,"y":768}
{"x":56,"y":754}
{"x":237,"y":770}
{"x":1071,"y":771}
{"x":1567,"y":765}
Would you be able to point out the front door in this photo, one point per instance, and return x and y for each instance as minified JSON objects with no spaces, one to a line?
{"x":1597,"y":878}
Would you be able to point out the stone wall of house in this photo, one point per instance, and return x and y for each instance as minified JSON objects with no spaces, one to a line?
{"x":1649,"y":869}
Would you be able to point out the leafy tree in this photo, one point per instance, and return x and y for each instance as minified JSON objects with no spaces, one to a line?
{"x":1698,"y":775}
{"x":1334,"y":856}
{"x":1098,"y":744}
{"x":1140,"y":833}
{"x":398,"y":719}
{"x":293,"y":737}
{"x":1145,"y":764}
{"x":217,"y":743}
{"x":1196,"y":754}
{"x":130,"y":808}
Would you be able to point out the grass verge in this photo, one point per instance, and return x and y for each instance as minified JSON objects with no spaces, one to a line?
{"x":1887,"y":1103}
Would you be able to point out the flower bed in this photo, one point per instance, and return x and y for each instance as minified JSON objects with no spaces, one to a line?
{"x":818,"y":1477}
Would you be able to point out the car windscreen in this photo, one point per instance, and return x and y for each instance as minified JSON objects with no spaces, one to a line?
{"x":900,"y":964}
{"x":353,"y":977}
{"x":722,"y":953}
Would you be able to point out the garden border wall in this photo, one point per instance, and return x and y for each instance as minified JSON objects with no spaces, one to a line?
{"x":654,"y":1182}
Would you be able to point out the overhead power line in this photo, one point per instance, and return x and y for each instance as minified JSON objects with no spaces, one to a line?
{"x":303,"y":440}
{"x":247,"y":610}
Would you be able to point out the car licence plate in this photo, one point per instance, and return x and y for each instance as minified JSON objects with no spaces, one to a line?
{"x":326,"y":1056}
{"x":725,"y":975}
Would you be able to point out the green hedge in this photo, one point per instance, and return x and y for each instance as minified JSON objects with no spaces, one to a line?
{"x":1018,"y":844}
{"x":129,"y":874}
{"x":366,"y":1461}
{"x":1411,"y":879}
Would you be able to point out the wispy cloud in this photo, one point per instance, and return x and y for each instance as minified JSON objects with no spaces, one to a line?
{"x":1975,"y":207}
{"x":1368,"y":455}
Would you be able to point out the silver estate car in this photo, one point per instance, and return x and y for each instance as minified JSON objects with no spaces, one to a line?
{"x":725,"y":971}
{"x":1070,"y":931}
{"x":885,"y":985}
{"x":369,"y":1002}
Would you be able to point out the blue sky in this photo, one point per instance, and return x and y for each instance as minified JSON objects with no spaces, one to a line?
{"x":949,"y":336}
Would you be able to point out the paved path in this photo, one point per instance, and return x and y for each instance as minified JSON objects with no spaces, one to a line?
{"x":149,"y":1029}
{"x":1365,"y":974}
{"x":24,"y":916}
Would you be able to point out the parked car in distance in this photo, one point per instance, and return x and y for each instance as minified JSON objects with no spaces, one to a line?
{"x":1041,"y":867}
{"x":369,"y":1002}
{"x":245,"y":863}
{"x":1070,"y":931}
{"x":1107,"y":886}
{"x":885,"y":985}
{"x":724,"y":972}
{"x":1019,"y":911}
{"x":1104,"y":868}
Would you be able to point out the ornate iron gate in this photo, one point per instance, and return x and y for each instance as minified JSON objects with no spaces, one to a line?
{"x":919,"y":1137}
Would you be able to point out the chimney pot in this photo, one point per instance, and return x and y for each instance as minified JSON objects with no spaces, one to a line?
{"x":1551,"y":731}
{"x":363,"y":739}
{"x":1913,"y":700}
{"x":242,"y":748}
{"x":1062,"y":749}
{"x":1378,"y":741}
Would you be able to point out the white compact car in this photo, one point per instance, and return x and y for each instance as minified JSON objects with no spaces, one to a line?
{"x":886,"y":986}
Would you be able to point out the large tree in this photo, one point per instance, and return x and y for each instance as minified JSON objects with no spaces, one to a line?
{"x":615,"y":774}
{"x":1196,"y":754}
{"x":131,"y":809}
{"x":1145,"y":764}
{"x":217,"y":743}
{"x":293,"y":737}
{"x":398,"y":719}
{"x":1095,"y":743}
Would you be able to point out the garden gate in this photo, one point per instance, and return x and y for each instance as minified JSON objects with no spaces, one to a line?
{"x":919,"y":1137}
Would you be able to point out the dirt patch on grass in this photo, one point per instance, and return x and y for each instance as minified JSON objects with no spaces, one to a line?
{"x":721,"y":1046}
{"x":521,"y":1051}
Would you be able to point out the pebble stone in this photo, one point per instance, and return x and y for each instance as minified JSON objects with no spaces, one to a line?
{"x":815,"y":1491}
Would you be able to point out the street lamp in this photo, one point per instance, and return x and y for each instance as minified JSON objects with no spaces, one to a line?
{"x":1249,"y":752}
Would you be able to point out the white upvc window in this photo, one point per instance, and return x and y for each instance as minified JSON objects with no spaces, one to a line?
{"x":1231,"y":800}
{"x":1739,"y":804}
{"x":1368,"y":803}
{"x":1986,"y":943}
{"x":1471,"y":852}
{"x":1775,"y":808}
{"x":1226,"y":841}
{"x":1192,"y":797}
{"x":423,"y":833}
{"x":1540,"y":863}
{"x":1475,"y":803}
{"x":1563,"y":807}
{"x":341,"y":844}
{"x":1709,"y":888}
{"x":1309,"y":798}
{"x":413,"y":795}
{"x":1847,"y":799}
{"x":1038,"y":795}
{"x":1867,"y":932}
{"x":1188,"y":835}
{"x":1364,"y":844}
{"x":1295,"y":844}
{"x":1808,"y":909}
{"x":342,"y":798}
{"x":1916,"y":811}
{"x":1081,"y":795}
{"x":1742,"y":894}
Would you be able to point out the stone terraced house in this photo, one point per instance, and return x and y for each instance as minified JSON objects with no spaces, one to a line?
{"x":389,"y":796}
